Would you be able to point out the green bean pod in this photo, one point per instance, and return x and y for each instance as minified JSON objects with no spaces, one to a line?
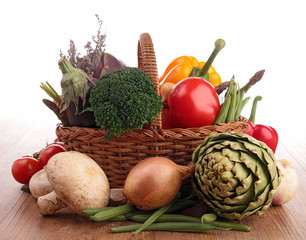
{"x":92,"y":211}
{"x":112,"y":212}
{"x":168,"y":226}
{"x":224,"y":110}
{"x":164,"y":218}
{"x":230,"y":226}
{"x":157,"y":214}
{"x":232,"y":107}
{"x":240,"y":96}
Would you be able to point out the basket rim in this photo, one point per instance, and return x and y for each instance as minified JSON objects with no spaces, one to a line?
{"x":152,"y":134}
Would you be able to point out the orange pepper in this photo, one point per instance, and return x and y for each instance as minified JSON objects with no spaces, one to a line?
{"x":178,"y":73}
{"x":214,"y":77}
{"x":181,"y":67}
{"x":179,"y":60}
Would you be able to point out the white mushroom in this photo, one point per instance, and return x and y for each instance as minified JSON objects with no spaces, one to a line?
{"x":39,"y":184}
{"x":77,"y":181}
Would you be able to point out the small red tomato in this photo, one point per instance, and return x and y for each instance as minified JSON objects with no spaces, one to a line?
{"x":266,"y":134}
{"x":193,"y":102}
{"x":250,"y":129}
{"x":24,"y":168}
{"x":58,"y":142}
{"x":48,"y":152}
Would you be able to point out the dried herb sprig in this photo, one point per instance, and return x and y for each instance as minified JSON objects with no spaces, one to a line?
{"x":94,"y":50}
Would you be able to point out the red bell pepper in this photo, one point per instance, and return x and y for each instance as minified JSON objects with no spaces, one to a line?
{"x":266,"y":134}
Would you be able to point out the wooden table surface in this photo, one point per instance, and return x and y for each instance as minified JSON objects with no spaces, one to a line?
{"x":20,"y":219}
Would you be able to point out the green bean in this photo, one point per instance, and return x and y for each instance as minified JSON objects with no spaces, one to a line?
{"x":230,"y":226}
{"x":232,"y":107}
{"x":254,"y":107}
{"x":184,"y":227}
{"x":239,"y":106}
{"x":208,"y":217}
{"x":92,"y":211}
{"x":224,"y":110}
{"x":226,"y":104}
{"x":230,"y":87}
{"x":163,"y":218}
{"x":113,"y":212}
{"x":156,"y":215}
{"x":168,"y":226}
{"x":118,"y":218}
{"x":182,"y":204}
{"x":244,"y":102}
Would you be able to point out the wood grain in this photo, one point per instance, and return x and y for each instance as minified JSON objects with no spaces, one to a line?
{"x":20,"y":218}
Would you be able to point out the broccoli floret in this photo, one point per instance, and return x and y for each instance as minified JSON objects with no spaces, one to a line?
{"x":123,"y":100}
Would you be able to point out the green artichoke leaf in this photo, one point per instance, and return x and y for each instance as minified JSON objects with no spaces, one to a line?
{"x":261,"y":200}
{"x":261,"y":173}
{"x":244,"y":176}
{"x":221,"y":206}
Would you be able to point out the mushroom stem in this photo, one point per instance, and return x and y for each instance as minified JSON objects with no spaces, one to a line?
{"x":49,"y":204}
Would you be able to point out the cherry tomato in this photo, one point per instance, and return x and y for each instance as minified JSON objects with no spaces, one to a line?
{"x":266,"y":134}
{"x":56,"y":141}
{"x":250,"y":129}
{"x":24,"y":168}
{"x":48,"y":152}
{"x":28,"y":155}
{"x":193,"y":102}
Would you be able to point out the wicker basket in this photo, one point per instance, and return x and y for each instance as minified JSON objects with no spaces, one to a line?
{"x":117,"y":156}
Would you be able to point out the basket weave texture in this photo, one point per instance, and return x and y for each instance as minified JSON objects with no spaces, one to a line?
{"x":117,"y":156}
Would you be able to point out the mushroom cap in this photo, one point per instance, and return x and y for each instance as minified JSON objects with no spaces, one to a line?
{"x":78,"y":181}
{"x":39,"y":184}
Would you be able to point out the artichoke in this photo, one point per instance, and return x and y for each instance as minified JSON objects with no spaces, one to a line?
{"x":235,"y":175}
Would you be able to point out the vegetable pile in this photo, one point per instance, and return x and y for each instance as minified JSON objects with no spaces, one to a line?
{"x":235,"y":175}
{"x":161,"y":219}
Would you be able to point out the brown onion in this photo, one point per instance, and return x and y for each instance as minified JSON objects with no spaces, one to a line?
{"x":154,"y":182}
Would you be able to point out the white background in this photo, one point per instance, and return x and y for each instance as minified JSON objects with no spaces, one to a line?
{"x":259,"y":35}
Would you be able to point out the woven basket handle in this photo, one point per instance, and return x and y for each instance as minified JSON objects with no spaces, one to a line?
{"x":147,"y":62}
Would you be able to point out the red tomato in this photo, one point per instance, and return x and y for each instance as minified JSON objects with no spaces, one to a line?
{"x":56,"y":141}
{"x":48,"y":152}
{"x":250,"y":129}
{"x":266,"y":134}
{"x":193,"y":102}
{"x":24,"y":168}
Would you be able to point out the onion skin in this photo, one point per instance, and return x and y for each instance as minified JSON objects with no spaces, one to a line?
{"x":289,"y":183}
{"x":154,"y":182}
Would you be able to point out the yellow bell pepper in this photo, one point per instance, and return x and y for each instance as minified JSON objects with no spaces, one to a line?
{"x":181,"y":67}
{"x":185,"y":66}
{"x":185,"y":60}
{"x":214,"y":77}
